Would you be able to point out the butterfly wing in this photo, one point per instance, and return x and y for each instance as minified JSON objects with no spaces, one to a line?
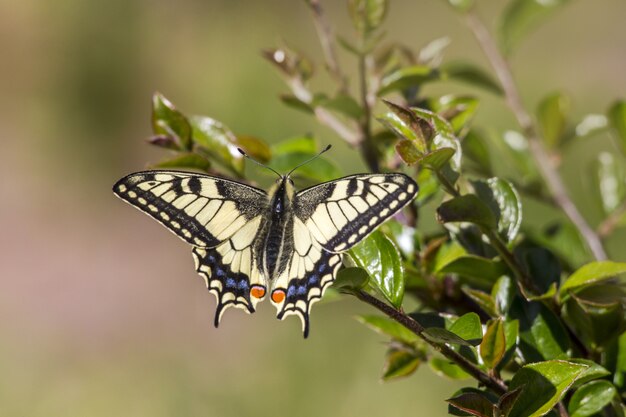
{"x":330,"y":218}
{"x":219,"y":217}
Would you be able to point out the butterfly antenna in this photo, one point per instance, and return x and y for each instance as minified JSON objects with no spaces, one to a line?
{"x":241,"y":151}
{"x":310,"y":159}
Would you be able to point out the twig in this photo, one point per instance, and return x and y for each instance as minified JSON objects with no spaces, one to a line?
{"x":327,"y":41}
{"x":609,"y":224}
{"x":368,"y":149}
{"x":490,"y":381}
{"x":546,"y":168}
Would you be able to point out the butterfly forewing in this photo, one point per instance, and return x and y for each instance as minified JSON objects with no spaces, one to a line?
{"x":339,"y":214}
{"x":219,"y":217}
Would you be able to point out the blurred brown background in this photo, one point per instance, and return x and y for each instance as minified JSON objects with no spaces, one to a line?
{"x":101,"y":312}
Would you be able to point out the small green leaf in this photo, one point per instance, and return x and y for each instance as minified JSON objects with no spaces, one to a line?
{"x":436,"y":159}
{"x":470,"y":74}
{"x":367,"y":15}
{"x":542,"y":335}
{"x":594,"y":371}
{"x":431,"y":54}
{"x":164,"y":141}
{"x":298,"y":144}
{"x":351,"y":279}
{"x":388,"y":327}
{"x":378,"y":255}
{"x":476,"y":150}
{"x":609,"y":172}
{"x":468,"y":208}
{"x":443,"y":367}
{"x":290,"y":63}
{"x":341,"y":103}
{"x":186,"y":160}
{"x":476,"y":267}
{"x":473,"y":403}
{"x":168,"y":121}
{"x":406,"y":124}
{"x":405,"y":78}
{"x":552,"y":114}
{"x":505,"y":203}
{"x":292,"y":152}
{"x":521,"y":16}
{"x":441,"y":335}
{"x":544,"y":384}
{"x":511,"y":333}
{"x":619,"y":377}
{"x":468,"y":328}
{"x":508,"y":400}
{"x":295,"y":103}
{"x":592,"y":273}
{"x":408,"y":151}
{"x":218,"y":141}
{"x":457,"y":110}
{"x":617,"y":118}
{"x":595,"y":324}
{"x":591,"y":398}
{"x":482,"y":299}
{"x":255,"y":147}
{"x":493,"y":346}
{"x":400,"y":363}
{"x":503,"y":292}
{"x":543,"y":268}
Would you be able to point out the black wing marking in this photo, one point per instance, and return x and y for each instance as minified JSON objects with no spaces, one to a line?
{"x":202,"y":210}
{"x":341,"y":213}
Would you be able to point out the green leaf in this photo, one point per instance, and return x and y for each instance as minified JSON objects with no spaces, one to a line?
{"x":441,"y":335}
{"x":542,"y":335}
{"x":295,"y":103}
{"x":493,"y":346}
{"x":617,"y":117}
{"x":378,"y":255}
{"x":563,"y":240}
{"x":388,"y":327}
{"x":341,"y":103}
{"x":619,"y":377}
{"x":544,"y":384}
{"x":443,"y":367}
{"x":508,"y":400}
{"x":594,"y":371}
{"x":168,"y":121}
{"x":476,"y":150}
{"x":591,"y":273}
{"x":504,"y":202}
{"x":482,"y":299}
{"x":468,"y":208}
{"x":521,"y":16}
{"x":473,"y":403}
{"x":457,"y":110}
{"x":511,"y":333}
{"x":432,"y":53}
{"x":255,"y":147}
{"x":591,"y":398}
{"x":186,"y":160}
{"x":408,"y":125}
{"x":404,"y":78}
{"x":476,"y":267}
{"x":543,"y":268}
{"x":218,"y":141}
{"x":470,"y":74}
{"x":444,"y":138}
{"x":552,"y":114}
{"x":503,"y":292}
{"x":436,"y":159}
{"x":609,"y":173}
{"x":367,"y":15}
{"x":400,"y":363}
{"x":408,"y":151}
{"x":292,"y":152}
{"x":298,"y":144}
{"x":468,"y":328}
{"x":164,"y":141}
{"x":351,"y":279}
{"x":596,"y":324}
{"x":290,"y":63}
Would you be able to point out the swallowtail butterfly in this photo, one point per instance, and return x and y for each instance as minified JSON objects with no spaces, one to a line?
{"x":248,"y":244}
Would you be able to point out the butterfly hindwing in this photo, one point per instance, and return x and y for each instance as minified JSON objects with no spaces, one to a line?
{"x":341,"y":213}
{"x":220,"y":218}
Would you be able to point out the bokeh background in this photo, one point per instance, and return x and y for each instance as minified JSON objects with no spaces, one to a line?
{"x":101,"y":312}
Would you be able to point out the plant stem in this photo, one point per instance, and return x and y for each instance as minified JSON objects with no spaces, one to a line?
{"x":545,"y":165}
{"x":495,"y":384}
{"x":367,"y":147}
{"x":327,"y":41}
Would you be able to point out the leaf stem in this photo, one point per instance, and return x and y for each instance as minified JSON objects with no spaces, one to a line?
{"x":538,"y":151}
{"x":490,"y":381}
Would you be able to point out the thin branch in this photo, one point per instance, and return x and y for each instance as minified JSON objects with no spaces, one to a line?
{"x":547,"y":169}
{"x":608,"y":225}
{"x":365,"y":125}
{"x":490,"y":381}
{"x":327,"y":41}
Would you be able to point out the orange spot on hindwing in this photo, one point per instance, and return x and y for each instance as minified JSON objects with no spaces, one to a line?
{"x":278,"y":296}
{"x":257,"y":291}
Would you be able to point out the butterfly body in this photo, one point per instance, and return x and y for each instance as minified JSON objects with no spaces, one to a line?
{"x":249,"y":244}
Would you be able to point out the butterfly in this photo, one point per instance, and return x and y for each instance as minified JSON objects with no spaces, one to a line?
{"x":248,"y":243}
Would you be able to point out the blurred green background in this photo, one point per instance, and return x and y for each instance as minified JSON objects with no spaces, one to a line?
{"x":101,"y":312}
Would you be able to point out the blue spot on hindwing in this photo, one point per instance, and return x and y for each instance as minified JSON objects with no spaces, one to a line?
{"x":301,"y":290}
{"x":230,"y":283}
{"x":291,"y":291}
{"x":242,"y":285}
{"x":313,"y":279}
